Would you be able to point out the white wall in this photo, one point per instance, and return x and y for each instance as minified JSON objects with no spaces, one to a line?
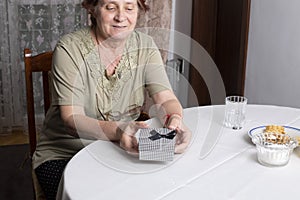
{"x":181,"y":23}
{"x":273,"y":63}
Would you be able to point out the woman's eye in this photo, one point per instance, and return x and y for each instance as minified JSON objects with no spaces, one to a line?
{"x":110,"y":7}
{"x":130,"y":8}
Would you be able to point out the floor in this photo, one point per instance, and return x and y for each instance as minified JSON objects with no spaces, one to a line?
{"x":15,"y":168}
{"x":14,"y":138}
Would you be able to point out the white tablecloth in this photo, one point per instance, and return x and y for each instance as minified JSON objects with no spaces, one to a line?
{"x":231,"y":171}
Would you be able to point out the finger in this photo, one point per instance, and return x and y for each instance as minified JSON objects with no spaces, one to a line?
{"x":181,"y":145}
{"x":129,"y":128}
{"x":179,"y":149}
{"x":141,"y":125}
{"x":129,"y":144}
{"x":183,"y":139}
{"x":174,"y":123}
{"x":134,"y":127}
{"x":134,"y":145}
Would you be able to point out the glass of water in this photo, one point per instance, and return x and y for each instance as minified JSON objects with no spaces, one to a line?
{"x":235,"y":112}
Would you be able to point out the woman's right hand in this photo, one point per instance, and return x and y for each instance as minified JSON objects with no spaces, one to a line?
{"x":127,"y":133}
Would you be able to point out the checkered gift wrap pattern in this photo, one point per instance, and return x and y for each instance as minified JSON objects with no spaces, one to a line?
{"x":160,"y":149}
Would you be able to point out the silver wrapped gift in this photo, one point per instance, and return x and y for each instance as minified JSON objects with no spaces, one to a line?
{"x":156,"y":144}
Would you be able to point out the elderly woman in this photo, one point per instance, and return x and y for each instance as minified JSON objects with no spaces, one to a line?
{"x":99,"y":76}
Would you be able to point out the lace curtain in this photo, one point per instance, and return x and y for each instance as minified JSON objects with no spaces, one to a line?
{"x":34,"y":24}
{"x":38,"y":24}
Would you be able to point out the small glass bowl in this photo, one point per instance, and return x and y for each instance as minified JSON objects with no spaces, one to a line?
{"x":273,"y":149}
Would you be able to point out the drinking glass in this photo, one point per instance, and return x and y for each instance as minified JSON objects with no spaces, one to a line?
{"x":235,"y":112}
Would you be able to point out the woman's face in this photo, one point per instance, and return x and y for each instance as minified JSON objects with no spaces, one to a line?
{"x":116,"y":18}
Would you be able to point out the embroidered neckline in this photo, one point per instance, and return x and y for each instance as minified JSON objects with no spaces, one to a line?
{"x":111,"y":88}
{"x":122,"y":72}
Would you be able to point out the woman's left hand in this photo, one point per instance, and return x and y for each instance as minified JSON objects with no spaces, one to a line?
{"x":183,"y":134}
{"x":183,"y":138}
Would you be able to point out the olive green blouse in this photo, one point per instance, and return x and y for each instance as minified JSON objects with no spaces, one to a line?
{"x":78,"y":78}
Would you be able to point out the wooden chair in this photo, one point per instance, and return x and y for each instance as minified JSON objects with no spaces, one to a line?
{"x":39,"y":63}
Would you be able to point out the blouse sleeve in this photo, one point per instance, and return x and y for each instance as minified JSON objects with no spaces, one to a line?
{"x":156,"y":78}
{"x":68,"y":87}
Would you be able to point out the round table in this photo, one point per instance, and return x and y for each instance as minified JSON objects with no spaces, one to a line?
{"x":229,"y":171}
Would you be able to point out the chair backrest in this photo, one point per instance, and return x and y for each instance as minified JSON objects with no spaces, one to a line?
{"x":38,"y":63}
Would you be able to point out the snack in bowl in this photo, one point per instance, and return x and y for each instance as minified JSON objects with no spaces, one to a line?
{"x":274,"y":149}
{"x":274,"y":129}
{"x":282,"y":134}
{"x":277,"y":138}
{"x":298,"y":139}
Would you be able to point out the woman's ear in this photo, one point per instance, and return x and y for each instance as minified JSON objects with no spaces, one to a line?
{"x":91,"y":11}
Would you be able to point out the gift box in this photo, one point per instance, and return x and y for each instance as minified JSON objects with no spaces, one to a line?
{"x":156,"y":144}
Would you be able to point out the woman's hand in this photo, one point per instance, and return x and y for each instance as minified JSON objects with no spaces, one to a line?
{"x":127,"y":135}
{"x":183,"y":134}
{"x":166,"y":102}
{"x":183,"y":138}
